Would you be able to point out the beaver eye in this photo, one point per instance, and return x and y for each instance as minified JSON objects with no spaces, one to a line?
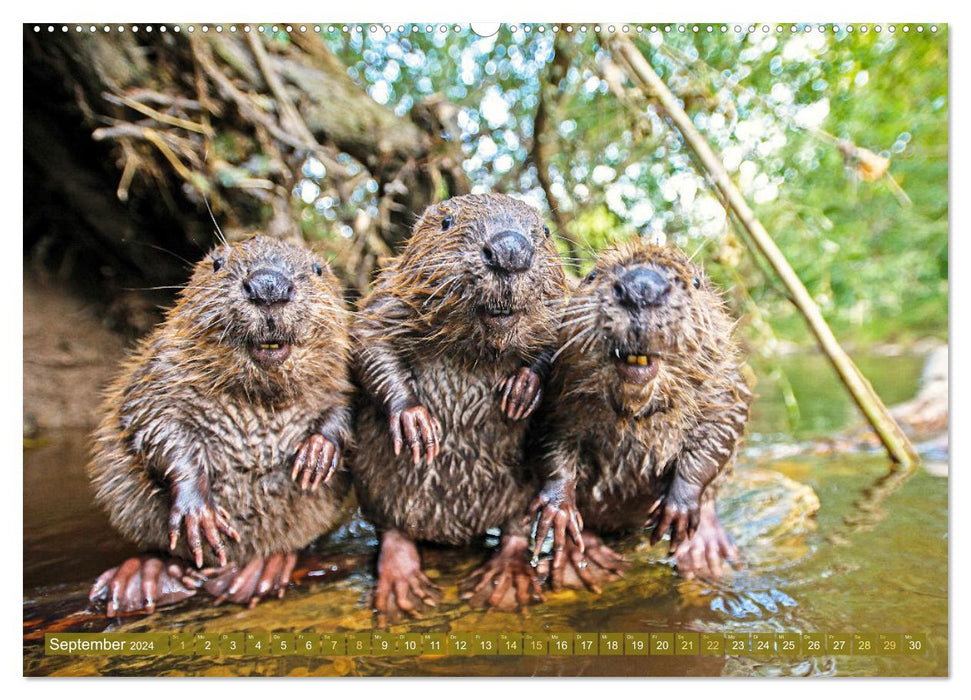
{"x":318,"y":270}
{"x":696,"y":282}
{"x":592,"y":276}
{"x":447,"y":222}
{"x":217,"y":263}
{"x":546,"y":230}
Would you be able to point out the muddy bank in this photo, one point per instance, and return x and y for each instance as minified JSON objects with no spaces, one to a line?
{"x":71,"y":349}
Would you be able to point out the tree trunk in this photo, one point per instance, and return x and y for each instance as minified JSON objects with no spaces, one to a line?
{"x":129,"y":136}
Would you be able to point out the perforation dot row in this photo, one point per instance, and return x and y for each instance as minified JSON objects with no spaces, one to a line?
{"x":526,"y":28}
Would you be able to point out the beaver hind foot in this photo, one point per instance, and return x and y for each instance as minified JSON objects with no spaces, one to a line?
{"x":403,"y":588}
{"x":250,"y":583}
{"x":588,"y":567}
{"x":706,"y":551}
{"x":506,"y":581}
{"x":140,"y":584}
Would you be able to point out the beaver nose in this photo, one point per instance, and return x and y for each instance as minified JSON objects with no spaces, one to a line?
{"x":267,"y":287}
{"x":640,"y":287}
{"x":508,"y":252}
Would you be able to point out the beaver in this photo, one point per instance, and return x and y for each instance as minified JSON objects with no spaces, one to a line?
{"x":453,"y":345}
{"x":222,"y":437}
{"x":646,"y":406}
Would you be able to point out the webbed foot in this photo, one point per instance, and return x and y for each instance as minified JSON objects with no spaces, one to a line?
{"x":589,"y":567}
{"x":248,"y":584}
{"x":403,"y":589}
{"x":506,"y":581}
{"x":706,"y":551}
{"x":141,"y":584}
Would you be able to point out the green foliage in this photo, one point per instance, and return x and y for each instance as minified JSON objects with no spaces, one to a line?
{"x":773,"y":103}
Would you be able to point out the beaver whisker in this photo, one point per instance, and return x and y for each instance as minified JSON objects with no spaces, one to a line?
{"x":667,"y":356}
{"x":447,"y":286}
{"x":579,"y":310}
{"x":585,"y":345}
{"x":445,"y":263}
{"x":154,"y":289}
{"x":573,"y":340}
{"x":586,"y":314}
{"x":570,"y":331}
{"x":575,"y":322}
{"x":583,"y":304}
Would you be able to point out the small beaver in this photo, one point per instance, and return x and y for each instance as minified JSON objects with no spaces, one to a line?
{"x":453,"y":346}
{"x":222,"y":427}
{"x":646,"y":405}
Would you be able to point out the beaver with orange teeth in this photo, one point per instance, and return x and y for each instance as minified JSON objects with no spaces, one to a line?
{"x":453,"y":346}
{"x":222,"y":436}
{"x":646,"y":406}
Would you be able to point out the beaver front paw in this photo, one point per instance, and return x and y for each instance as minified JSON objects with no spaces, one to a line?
{"x":416,"y":426}
{"x":142,"y":583}
{"x":201,"y":518}
{"x":555,"y":509}
{"x":677,"y":512}
{"x":506,"y":581}
{"x":316,"y":461}
{"x":521,"y":393}
{"x":589,"y":566}
{"x":403,"y":588}
{"x":249,"y":584}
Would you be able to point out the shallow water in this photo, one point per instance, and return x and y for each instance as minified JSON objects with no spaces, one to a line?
{"x":829,"y":546}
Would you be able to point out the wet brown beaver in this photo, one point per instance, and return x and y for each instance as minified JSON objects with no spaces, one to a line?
{"x":222,"y":436}
{"x":453,"y":344}
{"x":646,"y":406}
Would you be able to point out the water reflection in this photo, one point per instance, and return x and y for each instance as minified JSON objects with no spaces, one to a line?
{"x":830,"y":544}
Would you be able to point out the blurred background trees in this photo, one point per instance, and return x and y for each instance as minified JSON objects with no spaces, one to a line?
{"x":837,"y":138}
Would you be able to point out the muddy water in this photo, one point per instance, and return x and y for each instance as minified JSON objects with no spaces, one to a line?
{"x":829,"y":546}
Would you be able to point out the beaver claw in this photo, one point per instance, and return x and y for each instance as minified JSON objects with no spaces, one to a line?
{"x":201,"y":519}
{"x":521,"y":393}
{"x":506,"y":581}
{"x":555,"y":508}
{"x":317,"y":460}
{"x":402,"y":588}
{"x":249,"y":584}
{"x":678,"y":512}
{"x":142,"y":583}
{"x":416,"y":426}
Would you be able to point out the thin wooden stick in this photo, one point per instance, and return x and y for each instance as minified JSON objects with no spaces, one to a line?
{"x":898,"y":446}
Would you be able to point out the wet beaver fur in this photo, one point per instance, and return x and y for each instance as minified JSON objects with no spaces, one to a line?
{"x":643,"y":414}
{"x":453,"y":345}
{"x":222,"y":436}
